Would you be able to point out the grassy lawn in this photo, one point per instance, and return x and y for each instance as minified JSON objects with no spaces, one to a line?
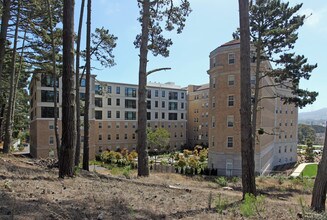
{"x":310,"y":170}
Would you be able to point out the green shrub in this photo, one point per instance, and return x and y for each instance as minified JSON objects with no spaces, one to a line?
{"x":252,"y":205}
{"x":221,"y":181}
{"x":220,"y":204}
{"x":234,"y":179}
{"x":203,"y":155}
{"x":187,"y":153}
{"x":127,"y":172}
{"x":20,"y":147}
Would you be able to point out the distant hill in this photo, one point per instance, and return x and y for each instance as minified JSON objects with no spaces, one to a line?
{"x":318,"y":117}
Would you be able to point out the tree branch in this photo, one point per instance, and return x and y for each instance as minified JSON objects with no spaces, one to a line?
{"x":157,"y":70}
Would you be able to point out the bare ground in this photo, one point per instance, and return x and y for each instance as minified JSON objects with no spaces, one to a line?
{"x":31,"y":191}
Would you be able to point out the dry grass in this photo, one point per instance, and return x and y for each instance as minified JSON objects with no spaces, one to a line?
{"x":33,"y":192}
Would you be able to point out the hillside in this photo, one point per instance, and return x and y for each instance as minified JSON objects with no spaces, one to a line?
{"x":29,"y":190}
{"x":317,"y":117}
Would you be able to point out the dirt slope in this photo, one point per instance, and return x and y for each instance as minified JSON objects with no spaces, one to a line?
{"x":31,"y":191}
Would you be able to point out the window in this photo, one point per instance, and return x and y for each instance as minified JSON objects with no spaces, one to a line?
{"x":100,"y":124}
{"x":130,"y":115}
{"x":173,"y":96}
{"x":51,"y":140}
{"x":130,"y":92}
{"x":133,"y":135}
{"x":172,"y":116}
{"x":172,"y":106}
{"x":213,"y":102}
{"x":109,"y":101}
{"x":109,"y":89}
{"x":117,"y":90}
{"x":117,"y":125}
{"x":109,"y":137}
{"x":214,"y":83}
{"x":231,"y":100}
{"x":109,"y":114}
{"x":82,"y":96}
{"x":109,"y":125}
{"x":51,"y":125}
{"x":98,"y":114}
{"x":182,"y":105}
{"x":156,"y":93}
{"x":156,"y":104}
{"x":48,"y":96}
{"x":126,"y":125}
{"x":129,"y":103}
{"x":148,"y":104}
{"x":156,"y":115}
{"x":148,"y":116}
{"x":149,"y":94}
{"x":98,"y":89}
{"x":253,"y":80}
{"x":213,"y":140}
{"x":279,"y":149}
{"x":182,"y":95}
{"x":230,"y":121}
{"x":117,"y":114}
{"x":118,"y":102}
{"x":230,"y":141}
{"x":117,"y":136}
{"x":98,"y":102}
{"x":48,"y":81}
{"x":162,"y":115}
{"x":231,"y":80}
{"x":182,"y":115}
{"x":125,"y":136}
{"x":163,"y":104}
{"x":213,"y":120}
{"x":48,"y":112}
{"x":231,"y":58}
{"x":163,"y":93}
{"x":83,"y":83}
{"x":100,"y":137}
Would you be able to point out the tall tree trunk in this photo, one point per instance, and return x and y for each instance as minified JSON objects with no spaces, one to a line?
{"x":55,"y":78}
{"x":8,"y":128}
{"x":2,"y":115}
{"x":87,"y":89}
{"x":17,"y":79}
{"x":77,"y":85}
{"x":3,"y":35}
{"x":320,"y":186}
{"x":143,"y":160}
{"x":247,"y":148}
{"x":66,"y":158}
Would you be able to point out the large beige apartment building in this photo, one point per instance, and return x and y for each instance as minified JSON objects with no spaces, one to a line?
{"x":113,"y":114}
{"x":198,"y":115}
{"x":207,"y":115}
{"x":278,"y":119}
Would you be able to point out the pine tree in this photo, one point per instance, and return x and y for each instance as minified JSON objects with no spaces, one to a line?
{"x":151,"y":38}
{"x":247,"y":148}
{"x":66,"y":158}
{"x":87,"y":89}
{"x":9,"y":122}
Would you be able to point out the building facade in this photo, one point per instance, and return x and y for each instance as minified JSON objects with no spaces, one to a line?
{"x":278,"y":120}
{"x":198,"y":115}
{"x":112,"y":115}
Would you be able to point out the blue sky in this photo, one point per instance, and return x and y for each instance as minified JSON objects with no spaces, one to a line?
{"x":210,"y":24}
